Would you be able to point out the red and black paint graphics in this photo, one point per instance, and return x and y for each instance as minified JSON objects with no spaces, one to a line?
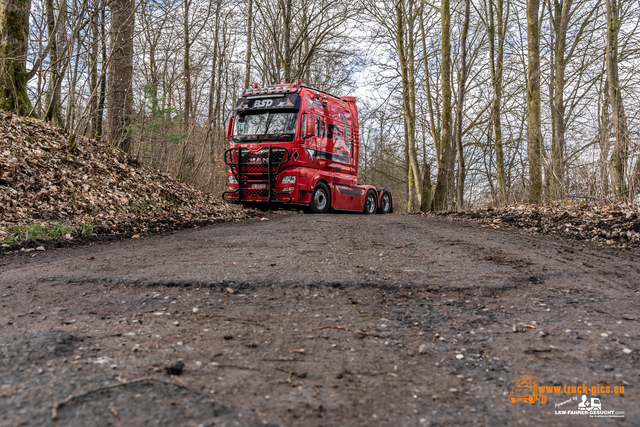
{"x":319,"y":154}
{"x":315,"y":103}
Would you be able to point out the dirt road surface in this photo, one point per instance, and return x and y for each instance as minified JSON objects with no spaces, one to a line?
{"x":318,"y":320}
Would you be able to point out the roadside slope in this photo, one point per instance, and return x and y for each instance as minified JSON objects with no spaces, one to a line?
{"x":615,"y":224}
{"x":51,"y":181}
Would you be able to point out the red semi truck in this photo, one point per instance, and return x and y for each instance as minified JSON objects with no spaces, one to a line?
{"x":295,"y":146}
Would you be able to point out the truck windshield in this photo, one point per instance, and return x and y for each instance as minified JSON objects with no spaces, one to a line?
{"x":266,"y":123}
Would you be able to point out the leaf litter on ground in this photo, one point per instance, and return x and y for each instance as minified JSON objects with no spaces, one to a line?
{"x":615,"y":224}
{"x":54,"y":187}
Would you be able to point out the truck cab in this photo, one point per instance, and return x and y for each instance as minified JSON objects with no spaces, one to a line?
{"x":295,"y":146}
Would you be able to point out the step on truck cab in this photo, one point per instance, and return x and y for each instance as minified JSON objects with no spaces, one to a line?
{"x":297,"y":147}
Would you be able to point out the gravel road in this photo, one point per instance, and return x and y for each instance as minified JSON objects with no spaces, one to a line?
{"x":319,"y":320}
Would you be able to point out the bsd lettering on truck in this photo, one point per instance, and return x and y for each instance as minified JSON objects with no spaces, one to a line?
{"x":265,"y":103}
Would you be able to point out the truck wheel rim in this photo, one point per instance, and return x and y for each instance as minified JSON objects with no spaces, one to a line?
{"x":385,"y":202}
{"x":320,"y":199}
{"x":370,"y":203}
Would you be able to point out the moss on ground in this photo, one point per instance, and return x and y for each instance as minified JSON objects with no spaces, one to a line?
{"x":20,"y":233}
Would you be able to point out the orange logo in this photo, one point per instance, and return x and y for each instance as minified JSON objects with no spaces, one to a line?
{"x":526,"y":390}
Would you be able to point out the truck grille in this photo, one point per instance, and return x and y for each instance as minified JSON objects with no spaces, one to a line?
{"x":254,"y":193}
{"x":265,"y":162}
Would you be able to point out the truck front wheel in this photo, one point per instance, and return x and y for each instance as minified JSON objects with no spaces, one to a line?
{"x":320,"y":199}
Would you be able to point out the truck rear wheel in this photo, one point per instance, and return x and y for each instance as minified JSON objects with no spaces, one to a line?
{"x":370,"y":203}
{"x":320,"y":199}
{"x":385,"y":203}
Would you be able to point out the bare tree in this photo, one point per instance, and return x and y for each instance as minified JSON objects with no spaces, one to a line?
{"x":460,"y":105}
{"x":447,"y":159}
{"x":620,"y":153}
{"x":14,"y":37}
{"x":405,"y":44}
{"x":534,"y":130}
{"x":247,"y":73}
{"x":496,"y":17}
{"x":120,"y":90}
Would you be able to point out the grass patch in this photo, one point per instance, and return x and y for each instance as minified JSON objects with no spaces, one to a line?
{"x":20,"y":233}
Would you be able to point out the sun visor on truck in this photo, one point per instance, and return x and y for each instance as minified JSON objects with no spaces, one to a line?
{"x":269,"y":102}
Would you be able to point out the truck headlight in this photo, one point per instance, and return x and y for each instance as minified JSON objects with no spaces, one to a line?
{"x":287,"y":189}
{"x":288,"y":179}
{"x":232,"y":179}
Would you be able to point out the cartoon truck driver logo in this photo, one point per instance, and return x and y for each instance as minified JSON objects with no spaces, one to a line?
{"x":526,"y":390}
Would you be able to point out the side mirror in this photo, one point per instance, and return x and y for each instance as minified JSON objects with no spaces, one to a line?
{"x":230,"y":127}
{"x":309,"y":126}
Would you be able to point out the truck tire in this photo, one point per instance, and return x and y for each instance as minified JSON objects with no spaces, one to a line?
{"x":385,"y":203}
{"x":320,"y":199}
{"x":370,"y":203}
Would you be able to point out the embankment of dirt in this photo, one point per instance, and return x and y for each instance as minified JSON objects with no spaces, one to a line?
{"x":614,"y":224}
{"x":51,"y":182}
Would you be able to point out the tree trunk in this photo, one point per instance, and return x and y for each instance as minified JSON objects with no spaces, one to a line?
{"x":218,"y":105}
{"x":153,"y":77}
{"x":496,"y":59}
{"x":186,"y":69}
{"x":460,"y":107}
{"x":52,"y":98}
{"x":405,"y":22}
{"x":14,"y":40}
{"x":425,"y":202}
{"x":119,"y":95}
{"x":534,"y":130}
{"x":38,"y":106}
{"x":435,"y":132}
{"x":620,"y":153}
{"x":247,"y":71}
{"x":93,"y":72}
{"x":103,"y":77}
{"x":604,"y":139}
{"x":286,"y":63}
{"x":445,"y":172}
{"x":561,"y":23}
{"x":214,"y":62}
{"x":71,"y":97}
